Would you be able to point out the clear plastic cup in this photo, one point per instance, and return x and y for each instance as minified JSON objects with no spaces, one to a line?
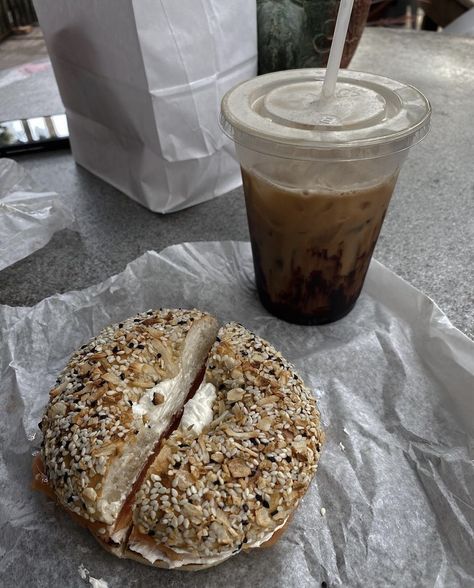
{"x":318,"y":176}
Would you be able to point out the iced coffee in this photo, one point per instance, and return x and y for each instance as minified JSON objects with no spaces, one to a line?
{"x":318,"y":175}
{"x":311,"y":249}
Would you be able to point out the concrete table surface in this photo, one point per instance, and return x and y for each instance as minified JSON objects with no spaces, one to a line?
{"x":427,"y":237}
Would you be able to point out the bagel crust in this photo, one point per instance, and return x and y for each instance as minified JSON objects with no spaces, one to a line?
{"x":232,"y":487}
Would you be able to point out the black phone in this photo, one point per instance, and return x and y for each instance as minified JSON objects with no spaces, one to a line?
{"x":38,"y":133}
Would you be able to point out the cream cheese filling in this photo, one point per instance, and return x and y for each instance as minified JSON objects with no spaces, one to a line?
{"x":159,"y":412}
{"x":198,"y":412}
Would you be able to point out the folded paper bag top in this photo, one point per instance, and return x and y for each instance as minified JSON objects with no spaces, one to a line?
{"x":142,"y":83}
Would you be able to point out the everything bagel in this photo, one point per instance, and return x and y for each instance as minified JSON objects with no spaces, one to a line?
{"x":176,"y":444}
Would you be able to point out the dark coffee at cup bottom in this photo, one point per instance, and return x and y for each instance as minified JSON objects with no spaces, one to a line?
{"x":311,"y":249}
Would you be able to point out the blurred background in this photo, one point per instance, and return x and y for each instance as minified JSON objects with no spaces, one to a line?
{"x":21,"y":39}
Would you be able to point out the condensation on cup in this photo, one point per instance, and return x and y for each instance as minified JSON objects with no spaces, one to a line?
{"x":318,"y":176}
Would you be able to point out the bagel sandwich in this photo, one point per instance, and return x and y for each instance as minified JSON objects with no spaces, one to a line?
{"x":176,"y":444}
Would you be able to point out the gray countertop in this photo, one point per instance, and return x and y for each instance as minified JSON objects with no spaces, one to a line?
{"x":427,"y":238}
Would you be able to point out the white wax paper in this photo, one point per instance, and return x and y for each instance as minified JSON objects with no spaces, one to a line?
{"x":395,"y":383}
{"x":28,"y":216}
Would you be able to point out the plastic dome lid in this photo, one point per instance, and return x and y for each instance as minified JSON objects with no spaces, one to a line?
{"x":284,"y":114}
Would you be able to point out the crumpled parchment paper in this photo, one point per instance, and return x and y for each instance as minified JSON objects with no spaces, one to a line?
{"x":28,"y":216}
{"x":392,"y":502}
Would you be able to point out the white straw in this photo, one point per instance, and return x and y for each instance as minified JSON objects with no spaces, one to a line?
{"x":337,"y":47}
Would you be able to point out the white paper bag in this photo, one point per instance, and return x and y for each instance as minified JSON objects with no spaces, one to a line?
{"x":142,"y":81}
